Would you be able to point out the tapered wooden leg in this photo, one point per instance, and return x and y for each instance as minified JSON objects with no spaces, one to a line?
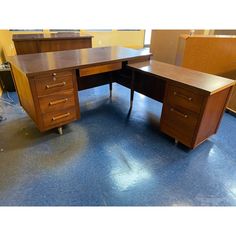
{"x":132,"y":90}
{"x":110,"y":86}
{"x":60,"y":131}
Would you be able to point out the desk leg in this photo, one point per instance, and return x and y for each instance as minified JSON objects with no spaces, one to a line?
{"x":132,"y":90}
{"x":60,"y":131}
{"x":110,"y":85}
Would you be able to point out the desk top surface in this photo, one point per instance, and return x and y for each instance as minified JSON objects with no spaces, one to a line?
{"x":207,"y":82}
{"x":31,"y":64}
{"x":49,"y":36}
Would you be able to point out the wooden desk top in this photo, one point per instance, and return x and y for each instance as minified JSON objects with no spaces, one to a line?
{"x":31,"y":64}
{"x":207,"y":82}
{"x":49,"y":36}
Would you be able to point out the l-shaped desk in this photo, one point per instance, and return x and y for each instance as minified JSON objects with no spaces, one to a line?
{"x":47,"y":85}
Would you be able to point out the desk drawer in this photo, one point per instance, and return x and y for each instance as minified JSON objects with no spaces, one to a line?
{"x":55,"y":119}
{"x":100,"y":69}
{"x":184,"y":98}
{"x":179,"y":123}
{"x":56,"y":102}
{"x":52,"y":83}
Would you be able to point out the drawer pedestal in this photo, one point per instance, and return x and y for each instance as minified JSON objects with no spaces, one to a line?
{"x":190,"y":116}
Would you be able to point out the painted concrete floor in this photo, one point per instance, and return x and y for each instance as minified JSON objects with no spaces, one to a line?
{"x":112,"y":158}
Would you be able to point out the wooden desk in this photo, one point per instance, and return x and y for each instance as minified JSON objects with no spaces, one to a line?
{"x":193,"y":102}
{"x":36,"y":43}
{"x":47,"y":86}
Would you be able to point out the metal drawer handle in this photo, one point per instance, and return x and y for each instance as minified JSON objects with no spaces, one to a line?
{"x":61,"y":116}
{"x":58,"y":101}
{"x":55,"y":85}
{"x":179,"y":113}
{"x":183,"y":96}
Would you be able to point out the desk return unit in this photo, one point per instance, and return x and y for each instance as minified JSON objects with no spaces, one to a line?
{"x":193,"y":102}
{"x":48,"y":84}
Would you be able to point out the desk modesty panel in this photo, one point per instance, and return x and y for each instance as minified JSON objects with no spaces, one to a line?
{"x":50,"y":42}
{"x":193,"y":102}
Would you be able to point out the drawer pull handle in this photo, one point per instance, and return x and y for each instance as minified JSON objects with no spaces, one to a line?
{"x":61,"y":116}
{"x":183,"y":96}
{"x":179,"y":113}
{"x":55,"y":85}
{"x":58,"y":101}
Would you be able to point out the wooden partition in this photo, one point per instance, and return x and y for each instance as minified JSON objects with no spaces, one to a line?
{"x":214,"y":54}
{"x":164,"y":44}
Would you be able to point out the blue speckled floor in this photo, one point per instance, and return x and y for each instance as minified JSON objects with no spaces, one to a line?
{"x":111,"y":158}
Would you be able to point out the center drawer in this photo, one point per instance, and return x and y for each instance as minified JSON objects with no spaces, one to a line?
{"x":184,"y":98}
{"x":57,"y":101}
{"x":100,"y":69}
{"x":54,"y":82}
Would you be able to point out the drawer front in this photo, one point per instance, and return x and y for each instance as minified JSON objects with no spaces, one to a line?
{"x":55,"y":119}
{"x":184,"y":98}
{"x":100,"y":69}
{"x":57,"y":102}
{"x":179,"y":123}
{"x":54,"y":82}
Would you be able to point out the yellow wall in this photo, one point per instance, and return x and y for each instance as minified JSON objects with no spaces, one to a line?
{"x":6,"y":45}
{"x":131,"y":39}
